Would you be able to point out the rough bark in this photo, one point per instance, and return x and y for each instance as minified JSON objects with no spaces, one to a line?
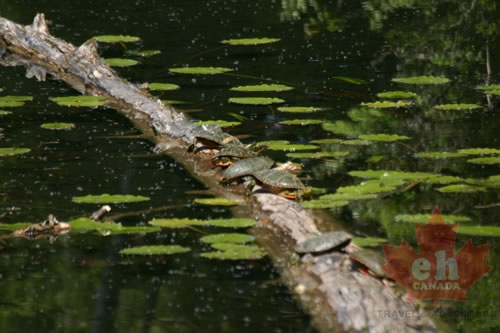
{"x":337,"y":296}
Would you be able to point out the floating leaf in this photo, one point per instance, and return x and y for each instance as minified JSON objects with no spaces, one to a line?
{"x":341,"y":127}
{"x":13,"y":101}
{"x":382,"y":137}
{"x":302,"y":122}
{"x":485,"y":160}
{"x":14,"y":226}
{"x":489,"y":87}
{"x":80,"y":101}
{"x":221,"y":123}
{"x":4,"y":113}
{"x":326,"y":141}
{"x":85,"y":224}
{"x":155,"y":250}
{"x":386,"y":104}
{"x":347,"y":196}
{"x":121,"y":62}
{"x":355,"y":142}
{"x":200,"y":70}
{"x":300,"y":109}
{"x":457,"y":106}
{"x":421,"y":80}
{"x":109,"y":198}
{"x":234,"y":252}
{"x":183,"y":223}
{"x":322,"y":204}
{"x":478,"y":230}
{"x":461,"y":188}
{"x":286,"y":146}
{"x":366,"y":188}
{"x":352,"y":80}
{"x":262,"y":87}
{"x":397,"y":94}
{"x":250,"y":41}
{"x":423,"y":218}
{"x":319,"y":154}
{"x":479,"y":151}
{"x":227,"y":238}
{"x":143,"y":53}
{"x":215,"y":201}
{"x":58,"y":126}
{"x":440,"y":155}
{"x":232,"y":223}
{"x":176,"y":223}
{"x":255,"y":100}
{"x":116,"y":39}
{"x":162,"y":86}
{"x":13,"y":151}
{"x":369,"y":241}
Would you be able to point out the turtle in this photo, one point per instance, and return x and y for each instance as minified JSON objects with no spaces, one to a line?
{"x":227,"y":155}
{"x":324,"y":242}
{"x":369,"y":262}
{"x":246,"y":167}
{"x":212,"y":137}
{"x":281,"y":182}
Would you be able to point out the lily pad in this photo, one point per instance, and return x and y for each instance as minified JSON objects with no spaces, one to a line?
{"x":485,"y":160}
{"x":326,"y":141}
{"x":421,"y":80}
{"x":397,"y":94}
{"x":479,"y":151}
{"x":221,"y":123}
{"x":155,"y":250}
{"x":424,"y":218}
{"x":262,"y":87}
{"x":460,"y":188}
{"x":176,"y":223}
{"x":300,"y":109}
{"x":13,"y":151}
{"x":489,"y":87}
{"x":80,"y":101}
{"x":369,"y":241}
{"x":256,"y":100}
{"x":322,"y":204}
{"x":4,"y":113}
{"x":383,"y":137}
{"x":478,"y":230}
{"x":232,"y":223}
{"x":341,"y":127}
{"x":14,"y":101}
{"x":200,"y":70}
{"x":58,"y":126}
{"x":440,"y":155}
{"x":278,"y":145}
{"x":109,"y":198}
{"x":352,"y":80}
{"x":302,"y":122}
{"x":386,"y":104}
{"x":227,"y":238}
{"x":354,"y":142}
{"x":106,"y":228}
{"x":215,"y":201}
{"x":162,"y":86}
{"x":230,"y":251}
{"x":250,"y":41}
{"x":347,"y":196}
{"x":319,"y":154}
{"x":366,"y":188}
{"x":121,"y":62}
{"x":457,"y":106}
{"x":117,"y":39}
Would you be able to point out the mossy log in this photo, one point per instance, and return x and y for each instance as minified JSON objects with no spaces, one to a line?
{"x":337,"y":296}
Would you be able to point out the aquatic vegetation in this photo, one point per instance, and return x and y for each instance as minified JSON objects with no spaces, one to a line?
{"x":143,"y":53}
{"x":256,"y":100}
{"x":227,"y":238}
{"x":300,"y":109}
{"x":221,"y":123}
{"x":426,"y":79}
{"x":200,"y":70}
{"x":58,"y":126}
{"x":250,"y":41}
{"x":229,"y":251}
{"x":424,"y":218}
{"x":215,"y":201}
{"x":319,"y":154}
{"x":121,"y":62}
{"x":457,"y":106}
{"x":80,"y":101}
{"x":322,"y":204}
{"x":11,"y":151}
{"x":286,"y":146}
{"x":116,"y":39}
{"x":479,"y":230}
{"x":397,"y":94}
{"x":369,"y":241}
{"x":485,"y":160}
{"x":382,"y":137}
{"x":4,"y":113}
{"x":262,"y":88}
{"x":479,"y":151}
{"x":302,"y":122}
{"x":162,"y":86}
{"x":14,"y":101}
{"x":353,"y":80}
{"x":109,"y":198}
{"x":386,"y":104}
{"x":185,"y":222}
{"x":84,"y":224}
{"x":341,"y":127}
{"x":440,"y":155}
{"x":460,"y":188}
{"x":155,"y":250}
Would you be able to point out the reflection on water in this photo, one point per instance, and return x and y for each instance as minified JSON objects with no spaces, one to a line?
{"x":335,"y":54}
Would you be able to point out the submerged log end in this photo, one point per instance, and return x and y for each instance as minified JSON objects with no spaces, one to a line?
{"x":88,"y":49}
{"x":40,"y":24}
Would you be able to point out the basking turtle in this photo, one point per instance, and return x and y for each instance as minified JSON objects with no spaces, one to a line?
{"x":281,"y":182}
{"x":246,"y":167}
{"x":212,"y":137}
{"x":227,"y":155}
{"x":369,"y":262}
{"x":325,"y":242}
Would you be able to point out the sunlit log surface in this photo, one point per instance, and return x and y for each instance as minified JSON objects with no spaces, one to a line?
{"x":337,"y":296}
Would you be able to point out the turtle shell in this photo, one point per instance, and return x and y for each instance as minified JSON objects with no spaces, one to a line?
{"x":214,"y":137}
{"x":278,"y":179}
{"x":247,"y":167}
{"x":325,"y":242}
{"x":372,"y":260}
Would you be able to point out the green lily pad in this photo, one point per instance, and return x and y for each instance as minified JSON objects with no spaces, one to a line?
{"x":14,"y":101}
{"x":397,"y":94}
{"x":155,"y":250}
{"x":386,"y":104}
{"x":355,"y":142}
{"x":109,"y":198}
{"x":221,"y":123}
{"x":227,"y":238}
{"x":116,"y":39}
{"x":460,"y":188}
{"x":176,"y":223}
{"x":369,"y":241}
{"x":424,"y":218}
{"x":366,"y":188}
{"x":383,"y":137}
{"x":479,"y":151}
{"x":121,"y":62}
{"x":262,"y":87}
{"x":278,"y":145}
{"x":13,"y":151}
{"x":200,"y":70}
{"x":421,"y":80}
{"x":387,"y":175}
{"x":80,"y":101}
{"x":478,"y":230}
{"x":457,"y":106}
{"x":319,"y":154}
{"x":326,"y":141}
{"x":229,"y":251}
{"x":232,"y":223}
{"x":14,"y":226}
{"x":58,"y":126}
{"x":341,"y":127}
{"x":440,"y":155}
{"x":352,"y":80}
{"x":4,"y":113}
{"x":300,"y":109}
{"x":302,"y":122}
{"x":347,"y":196}
{"x":85,"y":224}
{"x":322,"y":204}
{"x":250,"y":41}
{"x":215,"y":201}
{"x":255,"y":100}
{"x":493,"y":92}
{"x":485,"y":160}
{"x":143,"y":53}
{"x":162,"y":86}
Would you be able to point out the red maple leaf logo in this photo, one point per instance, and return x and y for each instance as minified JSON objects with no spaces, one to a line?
{"x":436,"y":271}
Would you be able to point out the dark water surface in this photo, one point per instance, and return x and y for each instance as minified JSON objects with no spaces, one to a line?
{"x":80,"y":283}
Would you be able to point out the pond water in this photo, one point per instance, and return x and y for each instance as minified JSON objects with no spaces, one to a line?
{"x":336,"y":55}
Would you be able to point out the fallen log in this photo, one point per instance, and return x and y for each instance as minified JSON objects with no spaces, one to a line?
{"x":337,"y":296}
